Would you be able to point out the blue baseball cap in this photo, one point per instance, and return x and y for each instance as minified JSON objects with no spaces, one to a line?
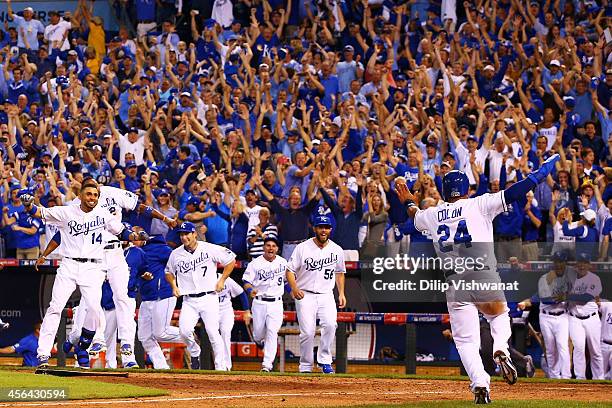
{"x":559,"y":256}
{"x":130,"y":163}
{"x":193,"y":200}
{"x":186,"y":227}
{"x":583,"y":257}
{"x":322,"y":220}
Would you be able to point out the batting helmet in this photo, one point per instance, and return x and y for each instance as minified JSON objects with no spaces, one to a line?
{"x":454,"y":184}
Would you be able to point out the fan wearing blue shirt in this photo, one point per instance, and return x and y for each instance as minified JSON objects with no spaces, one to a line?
{"x":26,"y":347}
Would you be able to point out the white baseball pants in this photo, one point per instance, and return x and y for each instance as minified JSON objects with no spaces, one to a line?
{"x":465,"y":326}
{"x":118,"y":275}
{"x":110,"y":339}
{"x":555,"y":330}
{"x":267,"y":321}
{"x":206,"y":307}
{"x":226,"y":324}
{"x":586,"y":331}
{"x":154,"y":326}
{"x":311,"y":307}
{"x":70,"y":274}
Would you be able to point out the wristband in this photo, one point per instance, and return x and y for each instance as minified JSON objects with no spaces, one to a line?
{"x":148,"y":211}
{"x":409,"y":204}
{"x":249,"y":290}
{"x":32,"y":211}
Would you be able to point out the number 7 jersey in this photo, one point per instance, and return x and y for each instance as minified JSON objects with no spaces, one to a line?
{"x":463,"y":229}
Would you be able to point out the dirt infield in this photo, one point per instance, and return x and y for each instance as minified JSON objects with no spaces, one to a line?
{"x":193,"y":390}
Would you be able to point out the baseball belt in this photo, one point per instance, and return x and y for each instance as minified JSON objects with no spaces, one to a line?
{"x":197,"y":295}
{"x":85,"y":260}
{"x":553,"y":313}
{"x":608,"y":342}
{"x":583,"y":317}
{"x":113,"y":245}
{"x":268,"y":299}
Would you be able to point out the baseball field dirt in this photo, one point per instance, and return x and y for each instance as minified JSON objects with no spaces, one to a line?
{"x":252,"y":390}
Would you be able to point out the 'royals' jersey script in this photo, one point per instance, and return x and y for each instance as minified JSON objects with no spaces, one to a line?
{"x":82,"y":232}
{"x":463,"y":229}
{"x":588,"y":284}
{"x":267,"y":277}
{"x":606,"y":320}
{"x":315,"y":268}
{"x":114,"y":200}
{"x":196,"y":271}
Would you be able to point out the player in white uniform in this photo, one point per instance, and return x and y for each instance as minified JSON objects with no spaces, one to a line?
{"x":605,"y":308}
{"x":114,"y":200}
{"x":584,"y":323}
{"x":462,"y":228}
{"x":554,"y":321}
{"x":315,"y":267}
{"x":226,"y":316}
{"x":192,"y":273}
{"x":264,"y":281}
{"x":81,"y":229}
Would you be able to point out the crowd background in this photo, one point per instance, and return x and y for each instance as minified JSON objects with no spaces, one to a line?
{"x":251,"y":117}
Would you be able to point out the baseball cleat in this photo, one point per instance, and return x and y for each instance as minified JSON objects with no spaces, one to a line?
{"x":481,"y":396}
{"x":195,"y":363}
{"x":82,"y":357}
{"x":507,"y":367}
{"x":265,"y":370}
{"x":43,"y":361}
{"x":131,"y":364}
{"x":96,"y":349}
{"x":326,"y":368}
{"x":67,"y":347}
{"x":126,"y":350}
{"x":529,"y":367}
{"x":4,"y":326}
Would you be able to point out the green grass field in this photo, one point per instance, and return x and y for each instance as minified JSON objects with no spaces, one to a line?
{"x":78,"y":388}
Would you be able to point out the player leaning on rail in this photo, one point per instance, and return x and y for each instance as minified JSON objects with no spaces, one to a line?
{"x":466,"y":229}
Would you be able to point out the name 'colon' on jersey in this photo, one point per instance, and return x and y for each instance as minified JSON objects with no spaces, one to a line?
{"x":267,"y":277}
{"x":315,"y":268}
{"x":196,"y":271}
{"x":81,"y":232}
{"x":463,"y":229}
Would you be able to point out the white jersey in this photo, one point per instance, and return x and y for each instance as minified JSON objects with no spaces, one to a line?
{"x":588,"y":284}
{"x":230,"y":290}
{"x":549,"y":286}
{"x":463,"y":229}
{"x":267,"y":277}
{"x":606,"y":320}
{"x":253,"y":214}
{"x":196,"y":271}
{"x":81,"y":232}
{"x":315,"y":268}
{"x":114,"y":200}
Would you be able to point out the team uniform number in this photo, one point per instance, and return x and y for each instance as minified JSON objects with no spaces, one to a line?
{"x":462,"y":236}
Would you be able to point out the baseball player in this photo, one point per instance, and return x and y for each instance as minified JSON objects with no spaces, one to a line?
{"x":462,"y":228}
{"x":81,"y":228}
{"x":106,"y":334}
{"x":157,"y":304}
{"x":226,"y":316}
{"x":114,"y":200}
{"x":584,"y":323}
{"x":264,"y":281}
{"x":605,"y":308}
{"x":554,"y":323}
{"x":315,"y":266}
{"x":192,"y":274}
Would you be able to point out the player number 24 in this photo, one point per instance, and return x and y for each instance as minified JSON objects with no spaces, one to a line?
{"x":462,"y":236}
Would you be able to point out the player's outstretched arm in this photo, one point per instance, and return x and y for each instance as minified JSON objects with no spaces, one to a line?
{"x":406,"y":198}
{"x":295,"y":291}
{"x":518,"y":190}
{"x":28,"y":203}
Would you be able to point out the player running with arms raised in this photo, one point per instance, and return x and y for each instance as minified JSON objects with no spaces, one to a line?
{"x":462,"y":227}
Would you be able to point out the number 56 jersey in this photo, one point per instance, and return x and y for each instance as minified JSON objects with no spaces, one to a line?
{"x":464,"y":229}
{"x":196,"y":271}
{"x":315,"y":268}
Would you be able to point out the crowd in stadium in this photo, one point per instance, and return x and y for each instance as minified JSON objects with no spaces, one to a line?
{"x":251,"y":117}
